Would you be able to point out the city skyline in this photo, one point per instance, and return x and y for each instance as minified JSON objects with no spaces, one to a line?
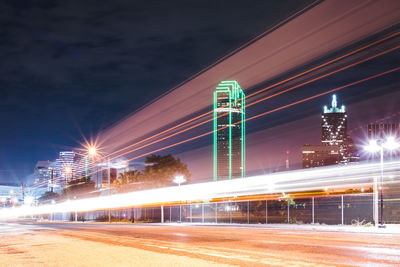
{"x":39,"y":144}
{"x":200,"y":133}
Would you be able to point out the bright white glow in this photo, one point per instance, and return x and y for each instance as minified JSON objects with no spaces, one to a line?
{"x":179,"y":179}
{"x":391,"y":143}
{"x":68,"y":170}
{"x":92,"y":151}
{"x":11,"y":192}
{"x":28,"y":200}
{"x":332,"y":177}
{"x":372,"y":147}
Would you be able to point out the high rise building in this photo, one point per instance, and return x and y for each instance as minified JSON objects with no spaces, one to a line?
{"x":42,"y":173}
{"x":334,"y":124}
{"x":229,"y":131}
{"x":317,"y":156}
{"x":334,"y":132}
{"x":65,"y":166}
{"x":337,"y":146}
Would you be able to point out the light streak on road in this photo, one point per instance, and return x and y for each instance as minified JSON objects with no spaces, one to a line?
{"x":336,"y":177}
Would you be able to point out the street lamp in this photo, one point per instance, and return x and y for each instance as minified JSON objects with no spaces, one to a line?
{"x":179,"y":179}
{"x":92,"y":151}
{"x":68,"y":171}
{"x":373,"y":147}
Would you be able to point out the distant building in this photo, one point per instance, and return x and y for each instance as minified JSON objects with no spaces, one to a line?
{"x":337,"y":146}
{"x":229,"y":131}
{"x":334,"y":132}
{"x":42,"y":173}
{"x":113,"y":168}
{"x":65,"y":167}
{"x":383,"y":130}
{"x":317,"y":156}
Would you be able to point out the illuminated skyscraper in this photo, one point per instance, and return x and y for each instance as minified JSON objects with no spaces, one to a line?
{"x":229,"y":131}
{"x":334,"y":132}
{"x":65,"y":166}
{"x":337,"y":146}
{"x":334,"y":124}
{"x":42,"y":172}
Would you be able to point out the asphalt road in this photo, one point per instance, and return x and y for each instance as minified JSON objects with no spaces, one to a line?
{"x":88,"y":244}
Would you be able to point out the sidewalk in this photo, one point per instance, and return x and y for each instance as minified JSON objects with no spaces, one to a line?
{"x":390,"y":228}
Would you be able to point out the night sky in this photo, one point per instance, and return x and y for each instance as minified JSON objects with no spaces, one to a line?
{"x":71,"y":68}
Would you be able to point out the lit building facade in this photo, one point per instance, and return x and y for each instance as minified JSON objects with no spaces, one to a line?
{"x":317,"y":156}
{"x":65,"y":166}
{"x":337,"y":147}
{"x":334,"y":132}
{"x":229,"y":131}
{"x":383,"y":130}
{"x":42,"y":173}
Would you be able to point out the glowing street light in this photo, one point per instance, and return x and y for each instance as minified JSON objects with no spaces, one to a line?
{"x":92,"y":151}
{"x":373,"y":147}
{"x":391,"y":143}
{"x":68,"y":172}
{"x":179,"y":179}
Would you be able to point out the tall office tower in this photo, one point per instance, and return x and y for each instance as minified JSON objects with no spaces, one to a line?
{"x":42,"y":173}
{"x":229,"y":131}
{"x":334,"y":124}
{"x":65,"y":166}
{"x":383,"y":130}
{"x":334,"y":132}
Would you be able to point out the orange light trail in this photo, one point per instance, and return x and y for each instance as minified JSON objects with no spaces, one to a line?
{"x":252,"y":103}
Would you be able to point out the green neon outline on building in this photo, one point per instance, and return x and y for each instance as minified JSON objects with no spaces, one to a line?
{"x":235,"y":95}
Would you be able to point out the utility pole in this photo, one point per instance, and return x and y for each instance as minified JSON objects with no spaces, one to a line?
{"x":287,"y":159}
{"x":23,"y":191}
{"x":52,"y":177}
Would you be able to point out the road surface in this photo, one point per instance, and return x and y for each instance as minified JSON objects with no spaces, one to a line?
{"x":95,"y":244}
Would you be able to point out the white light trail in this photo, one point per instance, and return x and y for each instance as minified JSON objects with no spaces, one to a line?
{"x":342,"y":177}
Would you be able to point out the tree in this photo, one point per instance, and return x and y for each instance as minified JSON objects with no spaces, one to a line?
{"x":79,"y":188}
{"x":128,"y":181}
{"x":48,"y":196}
{"x":161,"y":170}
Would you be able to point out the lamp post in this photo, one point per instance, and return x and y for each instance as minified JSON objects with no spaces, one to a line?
{"x":373,"y":147}
{"x":179,"y":179}
{"x":92,"y":151}
{"x":68,"y":171}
